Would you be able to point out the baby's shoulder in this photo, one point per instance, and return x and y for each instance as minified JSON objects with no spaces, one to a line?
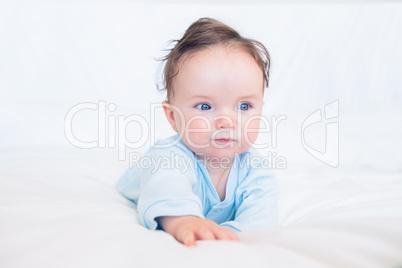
{"x":172,"y":146}
{"x":166,"y":158}
{"x":252,"y":163}
{"x":251,"y":159}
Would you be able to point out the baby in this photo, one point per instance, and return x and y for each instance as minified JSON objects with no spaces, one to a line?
{"x":215,"y":82}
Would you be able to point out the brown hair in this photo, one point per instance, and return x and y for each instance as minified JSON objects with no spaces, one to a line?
{"x":207,"y":32}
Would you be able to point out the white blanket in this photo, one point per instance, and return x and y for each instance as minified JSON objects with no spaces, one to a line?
{"x":58,"y":208}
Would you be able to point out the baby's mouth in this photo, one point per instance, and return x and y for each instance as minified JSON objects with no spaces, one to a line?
{"x":224,"y":140}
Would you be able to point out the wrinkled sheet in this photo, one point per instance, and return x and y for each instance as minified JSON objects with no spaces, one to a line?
{"x":58,"y":208}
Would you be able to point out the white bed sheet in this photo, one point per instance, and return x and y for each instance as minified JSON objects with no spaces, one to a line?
{"x":58,"y":208}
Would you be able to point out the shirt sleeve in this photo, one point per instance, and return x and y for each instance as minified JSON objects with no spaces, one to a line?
{"x":257,"y":202}
{"x":164,"y":185}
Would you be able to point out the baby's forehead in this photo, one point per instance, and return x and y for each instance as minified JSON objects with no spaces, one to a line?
{"x":211,"y":62}
{"x":207,"y":68}
{"x":214,"y":50}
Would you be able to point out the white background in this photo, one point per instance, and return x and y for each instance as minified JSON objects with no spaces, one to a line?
{"x":55,"y":55}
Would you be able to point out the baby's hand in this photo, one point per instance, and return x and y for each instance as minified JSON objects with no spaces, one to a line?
{"x":188,"y":229}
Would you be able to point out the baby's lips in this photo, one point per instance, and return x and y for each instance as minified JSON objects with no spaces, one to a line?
{"x":224,"y":137}
{"x":224,"y":140}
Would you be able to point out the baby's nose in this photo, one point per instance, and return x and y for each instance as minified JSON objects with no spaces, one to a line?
{"x":224,"y":121}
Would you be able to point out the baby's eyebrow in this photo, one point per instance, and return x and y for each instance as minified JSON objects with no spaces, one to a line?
{"x":206,"y":97}
{"x":199,"y":97}
{"x":253,"y":96}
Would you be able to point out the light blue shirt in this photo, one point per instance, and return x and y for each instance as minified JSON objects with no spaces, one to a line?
{"x":172,"y":181}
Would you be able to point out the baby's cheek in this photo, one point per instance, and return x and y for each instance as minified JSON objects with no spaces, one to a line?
{"x":198,"y":130}
{"x":250,"y":131}
{"x":198,"y":122}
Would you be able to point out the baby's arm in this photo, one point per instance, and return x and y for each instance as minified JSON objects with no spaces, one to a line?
{"x":188,"y":229}
{"x":257,"y":199}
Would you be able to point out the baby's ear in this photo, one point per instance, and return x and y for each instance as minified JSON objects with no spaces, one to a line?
{"x":169,"y":112}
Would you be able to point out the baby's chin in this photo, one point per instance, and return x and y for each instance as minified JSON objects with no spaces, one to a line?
{"x":219,"y":153}
{"x":218,"y":150}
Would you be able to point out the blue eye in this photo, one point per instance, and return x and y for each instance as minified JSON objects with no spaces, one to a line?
{"x":244,"y":106}
{"x":203,"y":106}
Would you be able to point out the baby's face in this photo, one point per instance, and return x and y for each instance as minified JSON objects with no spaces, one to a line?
{"x":217,"y":102}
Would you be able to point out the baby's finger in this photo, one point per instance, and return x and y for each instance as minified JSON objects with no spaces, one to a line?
{"x":188,"y":239}
{"x":234,"y":236}
{"x":222,"y":234}
{"x":226,"y":234}
{"x":205,"y":234}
